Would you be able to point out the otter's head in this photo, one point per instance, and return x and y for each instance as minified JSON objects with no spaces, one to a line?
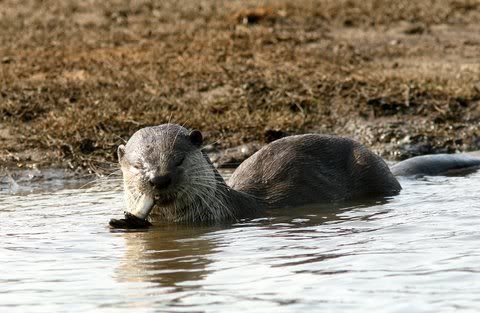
{"x":163,"y":167}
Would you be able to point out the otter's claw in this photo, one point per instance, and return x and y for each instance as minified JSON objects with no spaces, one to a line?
{"x":130,"y":221}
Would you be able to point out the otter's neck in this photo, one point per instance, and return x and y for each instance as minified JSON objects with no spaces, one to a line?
{"x":210,"y":201}
{"x":240,"y":204}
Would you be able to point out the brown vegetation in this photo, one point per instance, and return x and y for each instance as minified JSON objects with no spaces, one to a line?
{"x":76,"y":77}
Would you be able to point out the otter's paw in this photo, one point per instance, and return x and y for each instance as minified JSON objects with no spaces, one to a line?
{"x":129,"y":222}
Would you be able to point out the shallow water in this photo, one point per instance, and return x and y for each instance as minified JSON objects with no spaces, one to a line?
{"x":418,"y":252}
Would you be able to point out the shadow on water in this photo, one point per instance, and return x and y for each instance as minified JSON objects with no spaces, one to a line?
{"x":170,"y":255}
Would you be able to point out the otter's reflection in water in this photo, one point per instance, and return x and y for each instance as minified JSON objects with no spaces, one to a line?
{"x":166,"y":255}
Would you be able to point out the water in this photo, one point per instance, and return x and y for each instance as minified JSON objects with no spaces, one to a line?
{"x":418,"y":252}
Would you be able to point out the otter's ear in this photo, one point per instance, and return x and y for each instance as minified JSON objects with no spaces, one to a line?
{"x":120,"y":152}
{"x":196,"y":138}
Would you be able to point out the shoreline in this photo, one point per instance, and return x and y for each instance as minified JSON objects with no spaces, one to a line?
{"x":226,"y":159}
{"x":402,"y":80}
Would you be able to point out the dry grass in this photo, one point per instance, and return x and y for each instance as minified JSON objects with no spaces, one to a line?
{"x":76,"y":77}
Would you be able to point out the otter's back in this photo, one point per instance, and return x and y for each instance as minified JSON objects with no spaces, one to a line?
{"x":312,"y":168}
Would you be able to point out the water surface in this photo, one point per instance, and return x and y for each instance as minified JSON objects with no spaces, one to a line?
{"x":418,"y":252}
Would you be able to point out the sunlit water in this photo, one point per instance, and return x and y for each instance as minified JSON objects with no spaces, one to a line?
{"x":418,"y":252}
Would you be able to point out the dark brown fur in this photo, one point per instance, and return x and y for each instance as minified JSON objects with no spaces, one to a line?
{"x":312,"y":168}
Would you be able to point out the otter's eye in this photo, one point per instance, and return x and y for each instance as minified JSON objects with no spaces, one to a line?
{"x":138,"y":165}
{"x":180,"y":161}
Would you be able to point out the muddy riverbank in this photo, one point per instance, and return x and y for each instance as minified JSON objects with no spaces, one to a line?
{"x":76,"y":79}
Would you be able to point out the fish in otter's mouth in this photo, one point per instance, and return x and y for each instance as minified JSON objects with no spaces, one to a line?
{"x":130,"y":221}
{"x":137,"y":217}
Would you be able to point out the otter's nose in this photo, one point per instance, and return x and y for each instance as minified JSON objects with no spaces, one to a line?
{"x":160,"y":182}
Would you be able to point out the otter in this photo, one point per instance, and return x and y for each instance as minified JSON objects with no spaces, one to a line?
{"x":169,"y":178}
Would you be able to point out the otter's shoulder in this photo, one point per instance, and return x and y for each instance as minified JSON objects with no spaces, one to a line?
{"x":308,"y":143}
{"x":314,"y":166}
{"x":289,"y":150}
{"x":317,"y":148}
